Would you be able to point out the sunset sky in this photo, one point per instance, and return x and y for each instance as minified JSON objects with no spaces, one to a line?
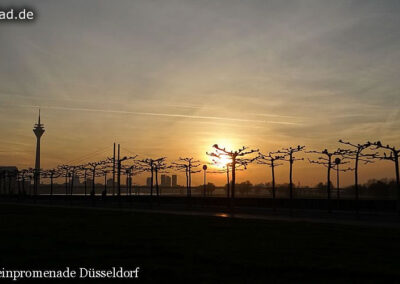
{"x":172,"y":78}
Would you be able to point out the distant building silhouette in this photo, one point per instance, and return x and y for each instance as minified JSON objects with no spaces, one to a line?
{"x":148,"y":181}
{"x":8,"y":169}
{"x":8,"y":175}
{"x":174,"y":180}
{"x":165,"y":181}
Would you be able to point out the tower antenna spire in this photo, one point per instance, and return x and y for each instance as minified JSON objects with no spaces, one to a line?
{"x":39,"y":117}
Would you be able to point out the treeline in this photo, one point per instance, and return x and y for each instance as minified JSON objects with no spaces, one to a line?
{"x":380,"y":188}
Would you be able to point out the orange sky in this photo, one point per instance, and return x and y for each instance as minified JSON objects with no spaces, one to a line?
{"x":58,"y":147}
{"x":172,"y":78}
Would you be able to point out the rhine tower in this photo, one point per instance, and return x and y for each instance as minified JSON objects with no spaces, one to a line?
{"x":38,"y":130}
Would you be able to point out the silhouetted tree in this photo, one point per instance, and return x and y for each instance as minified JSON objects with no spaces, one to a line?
{"x":160,"y":166}
{"x":326,"y":161}
{"x":104,"y":171}
{"x":357,"y":155}
{"x":18,"y":181}
{"x":23,"y":173}
{"x":65,"y":170}
{"x":189,"y":166}
{"x":119,"y":166}
{"x":130,"y":171}
{"x":270,"y":160}
{"x":236,"y":158}
{"x":74,"y":171}
{"x":288,"y":154}
{"x":30,"y":172}
{"x":30,"y":177}
{"x":83,"y":174}
{"x":149,"y":166}
{"x":394,"y":157}
{"x":51,"y":174}
{"x":93,"y":166}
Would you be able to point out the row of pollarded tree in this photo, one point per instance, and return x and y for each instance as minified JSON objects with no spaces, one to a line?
{"x":103,"y":168}
{"x":233,"y":161}
{"x":332,"y":160}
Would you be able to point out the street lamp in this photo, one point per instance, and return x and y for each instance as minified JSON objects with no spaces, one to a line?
{"x":205,"y":171}
{"x":337,"y":162}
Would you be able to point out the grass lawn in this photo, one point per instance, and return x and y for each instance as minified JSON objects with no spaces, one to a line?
{"x":197,"y":249}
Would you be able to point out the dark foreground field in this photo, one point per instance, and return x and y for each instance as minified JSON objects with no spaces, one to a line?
{"x":197,"y":249}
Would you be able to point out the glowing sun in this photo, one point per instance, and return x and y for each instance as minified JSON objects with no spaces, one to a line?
{"x":222,"y":162}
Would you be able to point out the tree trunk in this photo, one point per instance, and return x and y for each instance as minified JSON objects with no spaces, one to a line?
{"x":396,"y":161}
{"x":29,"y":189}
{"x":228,"y":187}
{"x":113,"y":172}
{"x":273,"y":180}
{"x":119,"y":176}
{"x":356,"y":181}
{"x":233,"y":179}
{"x":66,"y":183}
{"x":19,"y":185}
{"x":9,"y":184}
{"x":290,"y":178}
{"x":130,"y":184}
{"x":105,"y":184}
{"x":329,"y":183}
{"x":157,"y":188}
{"x":93,"y":182}
{"x":72,"y":183}
{"x":23,"y":184}
{"x":291,"y":183}
{"x":273,"y":185}
{"x":187,"y":182}
{"x":151,"y":181}
{"x":85,"y":182}
{"x":51,"y":185}
{"x":190,"y":181}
